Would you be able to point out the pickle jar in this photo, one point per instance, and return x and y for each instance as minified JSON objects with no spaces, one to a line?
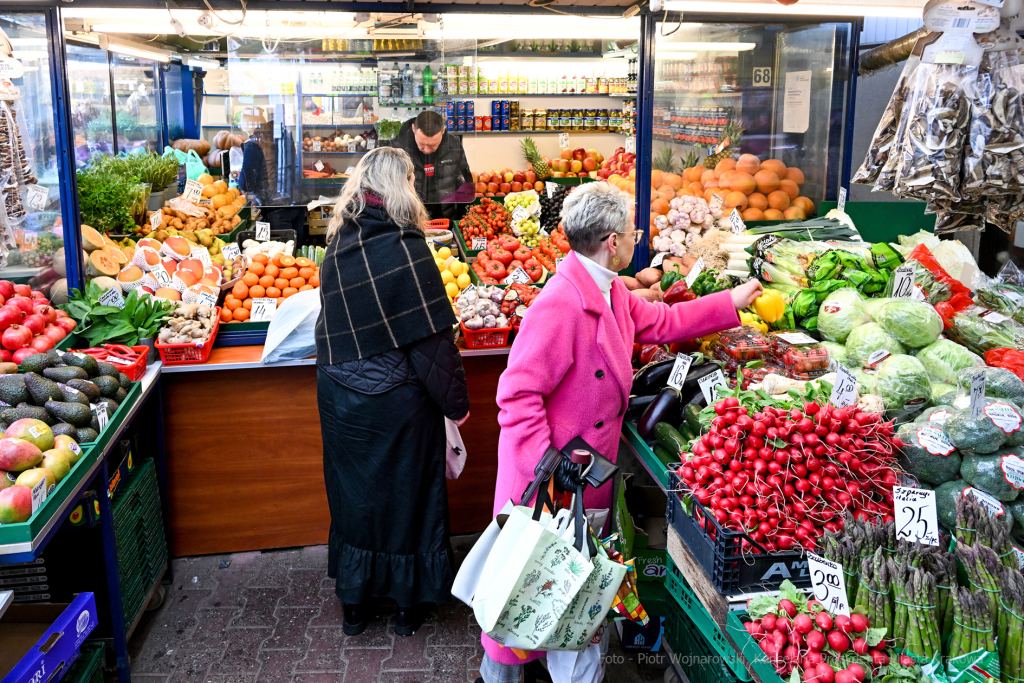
{"x":526,"y":119}
{"x":577,"y":119}
{"x":602,"y":120}
{"x":540,"y":119}
{"x":565,"y":119}
{"x":590,"y":120}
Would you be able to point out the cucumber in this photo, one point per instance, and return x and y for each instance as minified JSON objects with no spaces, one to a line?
{"x":669,"y":437}
{"x":684,"y":430}
{"x":692,"y":414}
{"x":664,"y":456}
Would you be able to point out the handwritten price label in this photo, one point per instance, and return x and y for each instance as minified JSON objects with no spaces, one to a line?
{"x":207,"y":299}
{"x":479,"y":243}
{"x":679,"y":370}
{"x":841,"y":204}
{"x":229,"y":252}
{"x":916,"y":515}
{"x":316,"y":146}
{"x":977,"y":394}
{"x":202,"y":254}
{"x":697,"y":269}
{"x":38,"y":494}
{"x":100,"y":411}
{"x":319,"y":166}
{"x":709,"y":385}
{"x":563,"y":140}
{"x":160,"y":274}
{"x":37,"y":196}
{"x":193,"y":191}
{"x":518,"y":276}
{"x":156,"y":219}
{"x":829,"y":585}
{"x":263,"y":310}
{"x":736,"y":221}
{"x":903,"y":282}
{"x":844,"y":392}
{"x":262,"y":231}
{"x":112,"y":297}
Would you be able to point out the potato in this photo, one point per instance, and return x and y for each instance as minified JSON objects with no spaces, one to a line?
{"x":647,"y":295}
{"x":648,"y":276}
{"x":656,"y":287}
{"x":630,"y":282}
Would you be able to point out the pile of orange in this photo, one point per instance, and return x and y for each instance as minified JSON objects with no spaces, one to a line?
{"x":277,"y":278}
{"x":761,"y":190}
{"x":226,"y":200}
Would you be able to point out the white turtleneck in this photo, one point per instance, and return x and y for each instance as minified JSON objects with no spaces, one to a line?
{"x":602,"y":276}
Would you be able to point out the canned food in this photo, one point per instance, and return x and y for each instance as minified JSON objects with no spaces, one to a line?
{"x":450,"y":123}
{"x":449,"y":108}
{"x":505,"y":108}
{"x":460,"y":122}
{"x":478,"y":122}
{"x":460,"y":108}
{"x":470,"y":108}
{"x":487,"y":122}
{"x":495,"y":107}
{"x":540,"y":119}
{"x":504,"y":123}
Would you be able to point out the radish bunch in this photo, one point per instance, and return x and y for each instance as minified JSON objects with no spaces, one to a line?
{"x":785,"y":477}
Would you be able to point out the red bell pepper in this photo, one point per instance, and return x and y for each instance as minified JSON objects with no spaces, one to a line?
{"x":678,"y":293}
{"x":650,"y":353}
{"x":684,"y":347}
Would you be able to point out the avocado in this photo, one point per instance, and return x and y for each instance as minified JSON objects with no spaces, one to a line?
{"x":41,"y":389}
{"x":84,"y":361}
{"x":63,"y":374}
{"x":108,"y":369}
{"x":86,"y":387}
{"x":12,"y":389}
{"x":110,"y":403}
{"x":72,"y":413}
{"x":10,"y":415}
{"x":120,"y":395}
{"x":37,"y":362}
{"x":108,"y":386}
{"x":73,"y":395}
{"x":65,"y":429}
{"x":125,"y":381}
{"x":86,"y":435}
{"x":55,"y":356}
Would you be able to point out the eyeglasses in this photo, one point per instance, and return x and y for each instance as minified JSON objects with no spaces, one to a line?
{"x":637,"y":236}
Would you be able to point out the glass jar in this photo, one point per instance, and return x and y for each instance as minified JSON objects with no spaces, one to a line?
{"x":577,"y":119}
{"x":513,"y":109}
{"x":554,"y":119}
{"x":590,"y":120}
{"x":615,"y":119}
{"x":602,"y":120}
{"x":540,"y":119}
{"x":526,"y":119}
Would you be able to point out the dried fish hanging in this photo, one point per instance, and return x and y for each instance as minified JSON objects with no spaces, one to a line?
{"x":15,"y":170}
{"x":883,"y":143}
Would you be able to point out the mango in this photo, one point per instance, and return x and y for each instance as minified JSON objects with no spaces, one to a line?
{"x":17,"y":455}
{"x":7,"y":479}
{"x":36,"y":431}
{"x":57,"y":462}
{"x":15,"y":504}
{"x":33,"y":476}
{"x":70,"y":446}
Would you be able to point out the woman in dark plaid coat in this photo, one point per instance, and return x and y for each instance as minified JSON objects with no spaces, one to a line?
{"x":388,"y":374}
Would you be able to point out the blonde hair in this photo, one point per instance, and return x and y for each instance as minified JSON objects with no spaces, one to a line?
{"x":386,"y":172}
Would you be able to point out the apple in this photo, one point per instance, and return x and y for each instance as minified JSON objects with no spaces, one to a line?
{"x":599,"y":158}
{"x":481,"y":187}
{"x":570,"y":174}
{"x":517,"y":187}
{"x":620,"y":150}
{"x":484,"y":177}
{"x":531,"y":177}
{"x":591,"y":154}
{"x":566,"y":153}
{"x":519,"y":177}
{"x":557,"y":174}
{"x":69,"y":323}
{"x":488,"y":194}
{"x":528,"y":185}
{"x":506,"y":187}
{"x":589,"y":164}
{"x":576,"y":166}
{"x":16,"y":337}
{"x":492,"y":187}
{"x":579,"y":154}
{"x":36,"y":323}
{"x":479,"y":194}
{"x":508,"y":176}
{"x":6,"y":289}
{"x":42,"y":343}
{"x":23,"y":290}
{"x":22,"y":353}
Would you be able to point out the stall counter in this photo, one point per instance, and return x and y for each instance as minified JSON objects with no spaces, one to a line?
{"x":245,"y":457}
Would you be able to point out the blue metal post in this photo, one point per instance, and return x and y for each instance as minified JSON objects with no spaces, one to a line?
{"x":644,"y":136}
{"x":162,"y":85}
{"x":189,"y":121}
{"x":112,"y":567}
{"x":851,"y":99}
{"x":64,"y":138}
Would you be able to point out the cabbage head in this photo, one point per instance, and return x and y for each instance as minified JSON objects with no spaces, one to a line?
{"x":865,"y":380}
{"x":867,"y":339}
{"x":902,"y":383}
{"x":873,"y":306}
{"x":836,"y":352}
{"x":943,"y":359}
{"x":940,"y":389}
{"x":841,"y":312}
{"x":914,"y":324}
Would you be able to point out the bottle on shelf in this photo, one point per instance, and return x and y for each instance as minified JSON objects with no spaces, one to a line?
{"x":417,"y":85}
{"x":396,"y":86}
{"x":428,"y":85}
{"x":384,"y":86}
{"x":407,"y":85}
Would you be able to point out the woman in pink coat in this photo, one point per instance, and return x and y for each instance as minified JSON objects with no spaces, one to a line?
{"x":569,"y":372}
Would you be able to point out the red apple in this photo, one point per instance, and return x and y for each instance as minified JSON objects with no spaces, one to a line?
{"x":488,"y":194}
{"x":506,"y":187}
{"x":528,"y":185}
{"x":518,"y":177}
{"x":479,"y":194}
{"x":23,"y":290}
{"x":531,"y":177}
{"x":55,"y":332}
{"x":517,"y":187}
{"x":69,"y":324}
{"x":492,"y":187}
{"x":16,"y":337}
{"x":481,"y":187}
{"x":42,"y":343}
{"x":579,"y":154}
{"x":484,"y":177}
{"x":589,"y":164}
{"x":22,"y":353}
{"x":566,"y":153}
{"x":49,"y":313}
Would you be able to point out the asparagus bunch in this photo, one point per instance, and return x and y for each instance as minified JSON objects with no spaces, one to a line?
{"x":942,"y":566}
{"x":972,"y":621}
{"x":982,"y":566}
{"x":841,"y":550}
{"x":976,"y":524}
{"x":873,"y":593}
{"x":922,"y":638}
{"x":1010,"y":626}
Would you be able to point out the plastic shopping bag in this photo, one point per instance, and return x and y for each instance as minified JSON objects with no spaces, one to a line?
{"x":472,"y":568}
{"x":580,"y":667}
{"x":456,"y":455}
{"x":194,"y":166}
{"x":291,"y":332}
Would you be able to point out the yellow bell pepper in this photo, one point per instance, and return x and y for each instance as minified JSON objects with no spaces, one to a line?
{"x":750,"y":320}
{"x":770,"y":306}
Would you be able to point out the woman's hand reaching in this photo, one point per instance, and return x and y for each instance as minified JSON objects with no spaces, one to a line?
{"x":744,"y":295}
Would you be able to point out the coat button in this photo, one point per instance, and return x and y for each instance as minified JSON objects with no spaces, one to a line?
{"x":599,"y":425}
{"x":599,"y":374}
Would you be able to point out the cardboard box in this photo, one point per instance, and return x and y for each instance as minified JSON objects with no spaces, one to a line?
{"x":640,"y":519}
{"x":41,"y":641}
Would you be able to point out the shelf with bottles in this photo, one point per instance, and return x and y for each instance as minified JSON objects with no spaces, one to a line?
{"x":682,"y":95}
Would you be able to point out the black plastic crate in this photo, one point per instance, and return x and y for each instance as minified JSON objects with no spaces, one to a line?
{"x":718,"y":550}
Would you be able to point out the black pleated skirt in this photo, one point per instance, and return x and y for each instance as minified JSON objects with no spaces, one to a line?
{"x":384,"y":466}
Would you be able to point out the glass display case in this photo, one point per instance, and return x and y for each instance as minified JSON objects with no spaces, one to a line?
{"x":30,"y":212}
{"x":137,"y":106}
{"x":91,"y":113}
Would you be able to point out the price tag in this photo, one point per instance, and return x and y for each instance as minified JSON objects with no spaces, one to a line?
{"x":796,"y":338}
{"x":229,"y":251}
{"x":100,"y":411}
{"x":903,"y":282}
{"x":38,"y":494}
{"x":518,"y":275}
{"x":319,"y":166}
{"x":37,"y":196}
{"x":156,"y":219}
{"x":112,"y":297}
{"x":203,"y":254}
{"x":708,"y":384}
{"x":207,"y":299}
{"x":716,"y":201}
{"x":316,"y":147}
{"x":679,"y":370}
{"x":118,"y":361}
{"x":658,"y":259}
{"x":262,"y":231}
{"x":977,"y":394}
{"x":563,"y":140}
{"x":550,"y":187}
{"x":877,"y":357}
{"x":844,"y":391}
{"x":479,"y":243}
{"x":631,"y":144}
{"x":351,"y":148}
{"x":160,"y":274}
{"x":1003,"y":416}
{"x":841,"y":204}
{"x":263,"y":310}
{"x":993,"y":505}
{"x":371,"y":144}
{"x":1013,"y":470}
{"x":907,"y":481}
{"x":933,"y":440}
{"x":519,"y":213}
{"x":193,"y":191}
{"x":940,"y":416}
{"x":694,"y":272}
{"x":205,"y":201}
{"x":829,"y":585}
{"x":521,"y":311}
{"x":916,"y":515}
{"x":994,"y":317}
{"x":736,"y":221}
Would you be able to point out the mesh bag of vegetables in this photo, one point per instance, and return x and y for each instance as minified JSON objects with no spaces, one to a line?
{"x":943,"y":359}
{"x":868,"y":338}
{"x":902,"y":383}
{"x":840,"y":313}
{"x":914,"y":324}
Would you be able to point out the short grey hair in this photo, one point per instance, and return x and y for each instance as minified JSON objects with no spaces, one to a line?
{"x":592,"y":211}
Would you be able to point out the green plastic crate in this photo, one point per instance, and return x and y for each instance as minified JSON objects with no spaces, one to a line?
{"x":88,"y":668}
{"x":692,"y":651}
{"x":115,"y":421}
{"x":751,"y":650}
{"x":710,"y":632}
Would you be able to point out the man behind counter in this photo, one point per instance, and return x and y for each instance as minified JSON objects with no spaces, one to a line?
{"x":438,"y":160}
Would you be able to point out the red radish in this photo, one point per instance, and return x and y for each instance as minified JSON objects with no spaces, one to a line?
{"x":860,"y":646}
{"x":816,"y":641}
{"x":859,"y":622}
{"x":783,"y":625}
{"x":768,"y":622}
{"x":802,"y":623}
{"x":794,"y":638}
{"x":857,"y":671}
{"x":812,"y":659}
{"x":825,"y":673}
{"x":792,"y":654}
{"x":844,"y":676}
{"x":906,"y":661}
{"x":843,"y":623}
{"x":788,"y":606}
{"x":838,"y":641}
{"x":809,"y":675}
{"x":879,"y":658}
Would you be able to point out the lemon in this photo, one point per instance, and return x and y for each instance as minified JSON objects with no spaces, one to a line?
{"x":446,"y":276}
{"x":456,"y":267}
{"x":452,"y":289}
{"x":444,"y":252}
{"x":440,"y":263}
{"x":463,"y":281}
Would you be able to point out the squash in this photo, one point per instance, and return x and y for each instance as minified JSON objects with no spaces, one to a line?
{"x":202,"y":147}
{"x":212,"y":160}
{"x":225,"y":140}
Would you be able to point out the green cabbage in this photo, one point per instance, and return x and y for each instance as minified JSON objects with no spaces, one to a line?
{"x":841,"y":312}
{"x":913,"y":323}
{"x":867,"y":339}
{"x":943,"y":359}
{"x":865,"y":380}
{"x":939,"y":391}
{"x":902,"y":383}
{"x":836,"y":352}
{"x":873,"y":306}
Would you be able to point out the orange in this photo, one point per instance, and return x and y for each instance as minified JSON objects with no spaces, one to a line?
{"x":240,"y":290}
{"x":804,"y":203}
{"x":271,"y":270}
{"x":289,"y":273}
{"x":711,"y":183}
{"x":790,"y":188}
{"x":247,"y":304}
{"x":250,"y":279}
{"x":256,"y":291}
{"x":725,"y":176}
{"x":748,"y":163}
{"x":795,"y":174}
{"x":708,"y":175}
{"x":315,"y":280}
{"x":775,"y":166}
{"x":277,"y":259}
{"x":256,"y":267}
{"x":296,"y":282}
{"x":273,"y":292}
{"x":288,"y":291}
{"x":689,"y":193}
{"x":773,"y":215}
{"x":260,"y":258}
{"x":674,"y":181}
{"x":232,"y":303}
{"x":241,"y":314}
{"x":742,"y":181}
{"x":267,"y":281}
{"x":658,"y":206}
{"x":226,"y":316}
{"x":280,"y":283}
{"x":766,"y":181}
{"x":657,"y":178}
{"x":778,"y":200}
{"x":305,"y":288}
{"x":757,"y":201}
{"x":752,"y":215}
{"x":205,"y":179}
{"x":794,"y":213}
{"x":209,"y":191}
{"x":725,"y":165}
{"x":287,"y":260}
{"x":219,"y":200}
{"x":709,"y":194}
{"x":303,"y":262}
{"x":696,"y":187}
{"x":736,"y":199}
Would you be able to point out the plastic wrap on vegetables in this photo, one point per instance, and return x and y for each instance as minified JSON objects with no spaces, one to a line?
{"x":981,"y":329}
{"x":840,"y":313}
{"x":915,"y":324}
{"x":902,"y":383}
{"x":836,"y":352}
{"x":943,"y":359}
{"x":883,"y":143}
{"x":868,"y":338}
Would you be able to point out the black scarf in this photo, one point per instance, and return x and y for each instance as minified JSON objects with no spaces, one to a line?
{"x":379,"y":289}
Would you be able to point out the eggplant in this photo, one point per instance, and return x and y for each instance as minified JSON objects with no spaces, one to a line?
{"x":697,"y":373}
{"x":663,"y":408}
{"x":652,"y":377}
{"x":637,"y":405}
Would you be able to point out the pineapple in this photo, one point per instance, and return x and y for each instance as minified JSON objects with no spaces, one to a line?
{"x":664,"y":160}
{"x":731,"y":136}
{"x":690,"y":160}
{"x":533,"y":157}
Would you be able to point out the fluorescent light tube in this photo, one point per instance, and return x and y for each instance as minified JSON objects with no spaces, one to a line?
{"x":665,"y":46}
{"x":126,"y":47}
{"x":845,"y":9}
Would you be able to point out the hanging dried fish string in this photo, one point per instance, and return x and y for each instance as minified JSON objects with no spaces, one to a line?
{"x":883,"y":143}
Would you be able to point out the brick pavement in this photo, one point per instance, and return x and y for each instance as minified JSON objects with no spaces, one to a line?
{"x":269,"y":617}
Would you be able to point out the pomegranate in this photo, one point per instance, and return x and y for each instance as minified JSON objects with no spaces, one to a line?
{"x":48,"y":312}
{"x":34,"y":322}
{"x":22,"y":302}
{"x":22,"y":354}
{"x":42,"y":343}
{"x":10,"y":315}
{"x":16,"y":337}
{"x":68,"y":324}
{"x":55,"y":333}
{"x":23,"y":290}
{"x":6,"y":289}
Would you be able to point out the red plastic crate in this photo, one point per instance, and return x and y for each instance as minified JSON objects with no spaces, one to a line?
{"x":490,"y":338}
{"x":189,"y":354}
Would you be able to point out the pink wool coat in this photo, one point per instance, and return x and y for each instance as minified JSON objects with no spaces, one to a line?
{"x":569,"y":374}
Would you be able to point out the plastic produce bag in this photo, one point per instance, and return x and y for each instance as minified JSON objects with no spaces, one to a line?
{"x":943,"y":359}
{"x":883,"y":143}
{"x":456,"y":453}
{"x":1008,"y":359}
{"x":841,"y":312}
{"x":291,"y":332}
{"x":902,"y":383}
{"x":914,"y":324}
{"x":993,"y":158}
{"x":980,"y":330}
{"x":194,"y":166}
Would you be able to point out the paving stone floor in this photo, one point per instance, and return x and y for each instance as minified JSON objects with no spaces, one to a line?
{"x":269,"y":617}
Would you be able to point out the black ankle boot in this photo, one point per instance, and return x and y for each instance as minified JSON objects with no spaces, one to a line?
{"x":356,"y":618}
{"x":408,"y":620}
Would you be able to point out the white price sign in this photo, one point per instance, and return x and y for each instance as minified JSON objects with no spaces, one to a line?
{"x":844,"y":391}
{"x":796,"y":338}
{"x":708,"y":384}
{"x":351,"y":148}
{"x":917,"y":516}
{"x":202,"y":254}
{"x":263,"y":310}
{"x":229,"y":251}
{"x":518,"y":275}
{"x":563,"y":140}
{"x":841,"y":204}
{"x":319,"y":166}
{"x":658,"y":259}
{"x":736,"y":221}
{"x":155,"y":219}
{"x":160,"y":274}
{"x":38,"y":494}
{"x":829,"y":585}
{"x":977,"y":394}
{"x":37,"y":195}
{"x":371,"y":144}
{"x":631,"y":145}
{"x":1013,"y":470}
{"x":100,"y":411}
{"x":193,"y":191}
{"x":903,"y":282}
{"x":316,"y":146}
{"x":933,"y":440}
{"x":519,"y":213}
{"x":112,"y":297}
{"x":762,"y":77}
{"x":479,"y":243}
{"x":550,"y":187}
{"x":1003,"y":416}
{"x":262,"y":231}
{"x":716,"y":201}
{"x":691,"y":277}
{"x":207,"y":299}
{"x":679,"y":370}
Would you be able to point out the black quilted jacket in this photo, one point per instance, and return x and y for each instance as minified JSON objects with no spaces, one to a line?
{"x":433,"y":362}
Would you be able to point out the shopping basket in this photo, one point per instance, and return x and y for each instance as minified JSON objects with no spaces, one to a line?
{"x":488,"y":338}
{"x":190,"y":354}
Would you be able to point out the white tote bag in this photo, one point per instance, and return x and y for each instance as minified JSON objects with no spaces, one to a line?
{"x":472,"y":568}
{"x":580,"y":667}
{"x":456,"y":456}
